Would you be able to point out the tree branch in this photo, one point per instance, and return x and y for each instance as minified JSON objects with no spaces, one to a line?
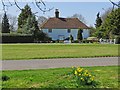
{"x":114,"y":4}
{"x":3,"y":6}
{"x":17,"y":5}
{"x":38,"y":3}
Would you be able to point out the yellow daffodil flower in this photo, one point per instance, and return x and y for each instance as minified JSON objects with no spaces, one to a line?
{"x":75,"y":72}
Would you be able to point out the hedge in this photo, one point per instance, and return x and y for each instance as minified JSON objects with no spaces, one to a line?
{"x":17,"y":39}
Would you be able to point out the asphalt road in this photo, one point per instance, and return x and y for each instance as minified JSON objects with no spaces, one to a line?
{"x":57,"y":63}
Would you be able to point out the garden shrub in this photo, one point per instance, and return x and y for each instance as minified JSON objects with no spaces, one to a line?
{"x":5,"y":78}
{"x":85,"y":41}
{"x":76,"y":41}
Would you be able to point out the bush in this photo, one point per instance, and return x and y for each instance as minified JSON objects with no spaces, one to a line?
{"x":83,"y":77}
{"x":85,"y":41}
{"x":71,"y":38}
{"x":53,"y":41}
{"x":5,"y":78}
{"x":76,"y":41}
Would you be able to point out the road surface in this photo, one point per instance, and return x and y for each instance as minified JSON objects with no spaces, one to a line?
{"x":57,"y":63}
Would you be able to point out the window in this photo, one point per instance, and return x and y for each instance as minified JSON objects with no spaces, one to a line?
{"x":50,"y":30}
{"x":61,"y":37}
{"x":69,"y":31}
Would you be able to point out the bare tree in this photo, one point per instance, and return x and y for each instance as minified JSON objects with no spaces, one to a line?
{"x":80,"y":17}
{"x":41,"y":20}
{"x":0,"y":22}
{"x":0,"y":18}
{"x":0,"y":27}
{"x":40,"y":4}
{"x":105,"y":14}
{"x":13,"y":22}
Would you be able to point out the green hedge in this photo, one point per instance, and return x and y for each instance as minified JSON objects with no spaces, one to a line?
{"x":9,"y":38}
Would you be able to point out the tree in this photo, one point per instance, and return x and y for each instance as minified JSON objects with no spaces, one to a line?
{"x":98,"y":21}
{"x":79,"y":35}
{"x":99,"y":31}
{"x":92,"y":31}
{"x":36,"y":31}
{"x":38,"y":34}
{"x":27,"y":21}
{"x":80,"y":17}
{"x":71,"y":38}
{"x":112,"y":23}
{"x":22,"y":18}
{"x":31,"y":26}
{"x":28,"y":27}
{"x":5,"y":24}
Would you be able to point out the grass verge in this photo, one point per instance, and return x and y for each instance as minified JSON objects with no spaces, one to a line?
{"x":59,"y":78}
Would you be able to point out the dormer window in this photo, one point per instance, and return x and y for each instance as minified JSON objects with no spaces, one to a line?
{"x":69,"y":30}
{"x":50,"y":30}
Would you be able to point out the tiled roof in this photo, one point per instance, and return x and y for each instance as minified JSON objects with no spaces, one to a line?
{"x":63,"y":23}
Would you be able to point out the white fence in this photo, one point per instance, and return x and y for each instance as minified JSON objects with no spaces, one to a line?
{"x":107,"y":41}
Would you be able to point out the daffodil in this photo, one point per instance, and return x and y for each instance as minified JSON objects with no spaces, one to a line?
{"x":86,"y":71}
{"x":75,"y":72}
{"x":79,"y":70}
{"x":82,"y":79}
{"x":92,"y":78}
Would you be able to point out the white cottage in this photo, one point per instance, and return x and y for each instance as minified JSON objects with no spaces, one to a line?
{"x":61,"y":28}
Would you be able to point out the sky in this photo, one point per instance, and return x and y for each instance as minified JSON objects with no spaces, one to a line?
{"x":88,"y":9}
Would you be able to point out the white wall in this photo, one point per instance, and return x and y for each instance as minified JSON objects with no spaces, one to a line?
{"x":62,"y":33}
{"x":86,"y":33}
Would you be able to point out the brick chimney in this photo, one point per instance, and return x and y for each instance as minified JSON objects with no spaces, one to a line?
{"x":56,"y":13}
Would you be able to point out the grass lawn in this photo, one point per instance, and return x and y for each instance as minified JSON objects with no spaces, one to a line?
{"x":46,"y":51}
{"x":59,"y":78}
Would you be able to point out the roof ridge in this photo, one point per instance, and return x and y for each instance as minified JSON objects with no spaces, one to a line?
{"x":44,"y":23}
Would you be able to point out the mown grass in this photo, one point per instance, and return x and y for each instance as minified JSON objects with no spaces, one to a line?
{"x":46,"y":51}
{"x":107,"y":77}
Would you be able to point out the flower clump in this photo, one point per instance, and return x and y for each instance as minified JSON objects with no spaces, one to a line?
{"x":83,"y":77}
